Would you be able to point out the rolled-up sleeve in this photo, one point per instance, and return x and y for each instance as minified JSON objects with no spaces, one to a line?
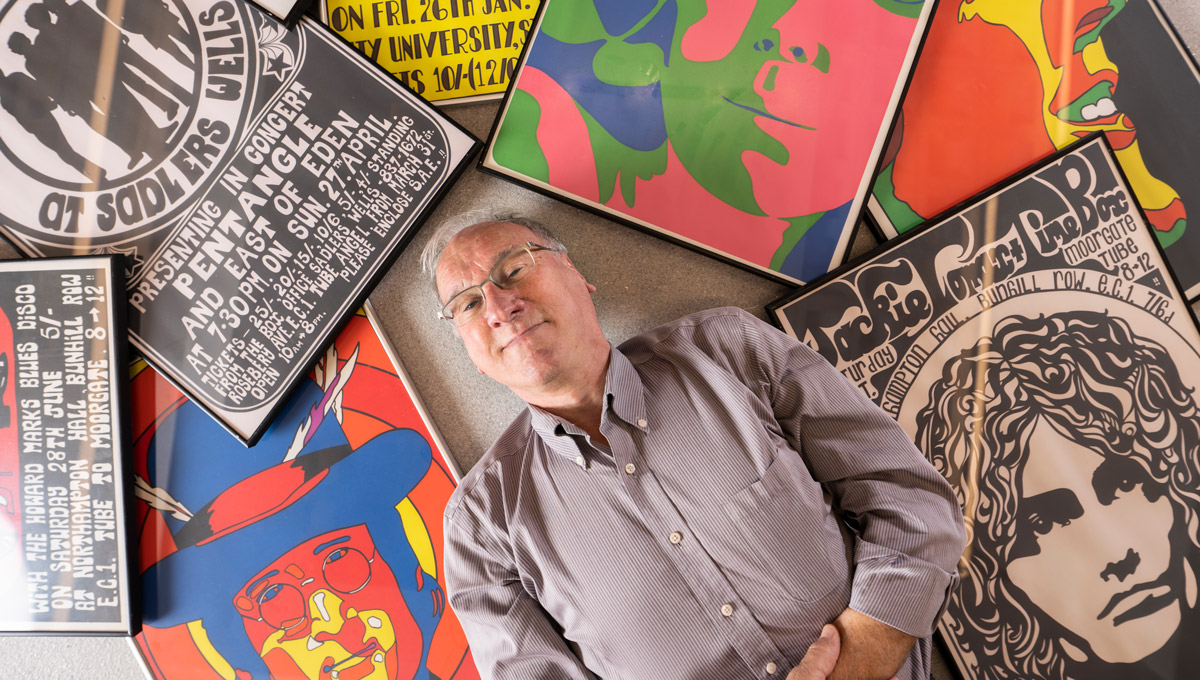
{"x":907,"y":523}
{"x":509,"y":633}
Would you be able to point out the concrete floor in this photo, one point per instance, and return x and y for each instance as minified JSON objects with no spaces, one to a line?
{"x":641,"y":280}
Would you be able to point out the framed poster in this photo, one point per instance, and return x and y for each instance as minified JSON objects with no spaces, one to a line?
{"x":1038,"y":350}
{"x":748,"y":130}
{"x":317,"y":552}
{"x":1003,"y":84}
{"x":449,"y":53}
{"x":64,"y":554}
{"x":287,"y":11}
{"x":257,"y":180}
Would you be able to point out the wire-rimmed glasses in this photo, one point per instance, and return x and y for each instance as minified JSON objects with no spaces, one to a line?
{"x":508,"y":272}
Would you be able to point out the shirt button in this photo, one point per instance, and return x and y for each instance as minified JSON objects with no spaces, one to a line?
{"x":642,"y":422}
{"x":675,"y":538}
{"x":771,"y":668}
{"x":580,"y":461}
{"x":726,"y":609}
{"x":630,"y":468}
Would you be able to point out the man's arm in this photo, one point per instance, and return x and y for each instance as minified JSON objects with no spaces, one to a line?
{"x":821,"y":657}
{"x":509,"y":633}
{"x":870,"y":649}
{"x":906,"y":519}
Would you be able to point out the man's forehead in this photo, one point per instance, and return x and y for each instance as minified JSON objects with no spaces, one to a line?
{"x":477,"y":247}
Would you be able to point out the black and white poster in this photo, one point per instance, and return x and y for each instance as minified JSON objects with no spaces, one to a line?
{"x":1039,"y":351}
{"x":257,"y":180}
{"x":64,"y":563}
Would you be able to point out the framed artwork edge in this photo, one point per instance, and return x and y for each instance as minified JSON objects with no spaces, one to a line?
{"x":774,"y":306}
{"x":321,"y":16}
{"x":411,"y":388}
{"x":858,"y":209}
{"x":369,"y":283}
{"x":130,"y":614}
{"x":876,"y":216}
{"x":776,"y":309}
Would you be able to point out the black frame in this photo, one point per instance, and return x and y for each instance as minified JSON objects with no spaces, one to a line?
{"x":848,"y":231}
{"x":40,"y":321}
{"x":386,"y":255}
{"x":777,"y":310}
{"x":885,"y":232}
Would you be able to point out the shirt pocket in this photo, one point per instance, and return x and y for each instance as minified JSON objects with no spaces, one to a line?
{"x":787,"y":523}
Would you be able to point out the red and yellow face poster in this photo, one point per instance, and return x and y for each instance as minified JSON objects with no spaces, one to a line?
{"x":316,"y":553}
{"x":1004,"y":83}
{"x":445,"y":50}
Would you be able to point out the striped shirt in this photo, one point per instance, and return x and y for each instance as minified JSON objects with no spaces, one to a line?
{"x":748,"y":494}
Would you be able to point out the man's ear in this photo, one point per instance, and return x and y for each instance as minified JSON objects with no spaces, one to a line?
{"x":590,"y":287}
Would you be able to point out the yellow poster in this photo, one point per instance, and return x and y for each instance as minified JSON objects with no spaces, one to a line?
{"x":443,"y":49}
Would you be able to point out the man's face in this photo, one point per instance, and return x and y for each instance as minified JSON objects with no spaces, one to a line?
{"x":1078,"y":78}
{"x":534,"y":336}
{"x":331,"y":608}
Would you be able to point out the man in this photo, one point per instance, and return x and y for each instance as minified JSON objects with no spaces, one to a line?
{"x":697,"y":503}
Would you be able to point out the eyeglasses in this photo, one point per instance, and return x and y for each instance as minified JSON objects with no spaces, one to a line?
{"x":283,"y":606}
{"x":467,"y":305}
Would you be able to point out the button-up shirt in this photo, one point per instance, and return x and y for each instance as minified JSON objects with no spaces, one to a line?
{"x":747,"y":495}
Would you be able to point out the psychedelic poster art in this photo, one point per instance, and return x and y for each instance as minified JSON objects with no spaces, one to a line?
{"x":257,"y":180}
{"x":747,"y":130}
{"x":316,"y":553}
{"x":1004,"y":83}
{"x":449,"y":52}
{"x":1038,"y":350}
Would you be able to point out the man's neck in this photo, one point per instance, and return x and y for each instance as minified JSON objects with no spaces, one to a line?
{"x":580,"y":400}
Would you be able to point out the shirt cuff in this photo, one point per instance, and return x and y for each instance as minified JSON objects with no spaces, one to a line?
{"x":904,"y":592}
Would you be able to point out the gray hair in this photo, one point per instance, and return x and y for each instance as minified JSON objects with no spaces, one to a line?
{"x":451,"y":227}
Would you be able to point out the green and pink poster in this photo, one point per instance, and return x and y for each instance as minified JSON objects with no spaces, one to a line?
{"x":747,"y":130}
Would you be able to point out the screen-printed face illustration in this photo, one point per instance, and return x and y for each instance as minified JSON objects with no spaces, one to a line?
{"x":785,"y":84}
{"x":1075,"y":447}
{"x":747,"y":127}
{"x":1064,"y":40}
{"x":1118,"y":595}
{"x":330,"y":608}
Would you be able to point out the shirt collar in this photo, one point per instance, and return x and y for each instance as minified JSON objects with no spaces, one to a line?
{"x":623,"y":389}
{"x":623,"y":395}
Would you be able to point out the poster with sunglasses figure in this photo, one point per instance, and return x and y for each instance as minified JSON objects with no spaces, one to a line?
{"x":316,"y":553}
{"x":257,"y":180}
{"x":1039,"y":351}
{"x":64,"y":549}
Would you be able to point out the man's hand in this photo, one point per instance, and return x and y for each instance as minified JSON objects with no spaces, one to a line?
{"x":821,"y":658}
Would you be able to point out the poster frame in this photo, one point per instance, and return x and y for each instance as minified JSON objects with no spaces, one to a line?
{"x":881,"y":225}
{"x":117,"y":347}
{"x":290,"y":17}
{"x":395,"y":245}
{"x":322,"y":14}
{"x":776,"y":310}
{"x":858,"y":204}
{"x":441,"y":457}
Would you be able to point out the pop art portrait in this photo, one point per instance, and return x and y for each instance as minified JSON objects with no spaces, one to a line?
{"x":747,"y":130}
{"x":1004,"y":83}
{"x":314,"y":554}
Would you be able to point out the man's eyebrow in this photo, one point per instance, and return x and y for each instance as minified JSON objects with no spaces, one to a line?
{"x":495,"y":261}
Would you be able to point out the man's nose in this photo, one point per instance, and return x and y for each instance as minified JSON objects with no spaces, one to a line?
{"x":499,"y":305}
